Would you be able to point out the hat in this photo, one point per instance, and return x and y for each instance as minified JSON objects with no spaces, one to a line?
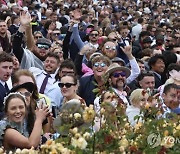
{"x":29,"y":86}
{"x":44,"y":41}
{"x":147,"y":40}
{"x":117,"y":59}
{"x":116,"y":67}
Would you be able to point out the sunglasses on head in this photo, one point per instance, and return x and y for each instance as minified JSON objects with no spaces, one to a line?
{"x":43,"y":46}
{"x":118,"y":74}
{"x":97,"y":64}
{"x":67,"y":85}
{"x":26,"y":94}
{"x":110,"y":48}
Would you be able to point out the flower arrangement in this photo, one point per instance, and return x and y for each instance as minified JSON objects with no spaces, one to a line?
{"x":115,"y":135}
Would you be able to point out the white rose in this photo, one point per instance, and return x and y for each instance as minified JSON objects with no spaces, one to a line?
{"x":77,"y":115}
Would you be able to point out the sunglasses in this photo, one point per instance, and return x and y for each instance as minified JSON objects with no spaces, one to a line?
{"x":38,"y":37}
{"x":99,"y":64}
{"x":93,"y":34}
{"x":118,"y":74}
{"x":110,"y":48}
{"x":41,"y":46}
{"x":67,"y":72}
{"x":67,"y":85}
{"x":26,"y":94}
{"x":56,"y":34}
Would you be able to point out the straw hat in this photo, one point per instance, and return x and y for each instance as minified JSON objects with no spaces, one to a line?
{"x":116,"y":67}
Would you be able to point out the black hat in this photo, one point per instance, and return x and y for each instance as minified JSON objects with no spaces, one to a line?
{"x":29,"y":86}
{"x":147,"y":40}
{"x":44,"y":41}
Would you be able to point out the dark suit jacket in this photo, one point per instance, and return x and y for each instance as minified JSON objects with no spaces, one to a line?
{"x":2,"y":95}
{"x":158,"y":81}
{"x":86,"y":89}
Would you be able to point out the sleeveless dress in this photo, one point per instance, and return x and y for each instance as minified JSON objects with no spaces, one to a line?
{"x":5,"y":124}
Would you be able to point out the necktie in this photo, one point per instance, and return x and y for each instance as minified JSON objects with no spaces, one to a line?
{"x":6,"y":87}
{"x":43,"y":86}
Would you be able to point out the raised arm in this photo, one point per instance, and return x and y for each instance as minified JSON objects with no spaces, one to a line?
{"x":25,"y":19}
{"x":135,"y":70}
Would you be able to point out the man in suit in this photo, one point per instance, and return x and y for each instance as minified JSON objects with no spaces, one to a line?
{"x":6,"y":68}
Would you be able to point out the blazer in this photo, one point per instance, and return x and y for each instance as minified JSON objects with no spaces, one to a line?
{"x":2,"y":95}
{"x":86,"y":89}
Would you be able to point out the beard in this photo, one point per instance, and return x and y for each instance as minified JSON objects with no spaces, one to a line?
{"x":119,"y":84}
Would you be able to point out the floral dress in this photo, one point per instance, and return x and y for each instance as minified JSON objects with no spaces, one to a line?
{"x":5,"y":124}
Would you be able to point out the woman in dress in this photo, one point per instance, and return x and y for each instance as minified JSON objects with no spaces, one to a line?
{"x":138,"y":99}
{"x":12,"y":133}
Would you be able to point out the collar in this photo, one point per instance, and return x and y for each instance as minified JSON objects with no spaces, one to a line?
{"x":2,"y":82}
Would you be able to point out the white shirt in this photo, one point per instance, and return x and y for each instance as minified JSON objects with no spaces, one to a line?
{"x":136,"y":30}
{"x":52,"y":89}
{"x":135,"y":71}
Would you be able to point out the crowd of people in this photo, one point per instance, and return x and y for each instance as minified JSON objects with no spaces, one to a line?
{"x":53,"y":51}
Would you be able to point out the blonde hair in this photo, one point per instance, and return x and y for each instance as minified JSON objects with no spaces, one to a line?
{"x":137,"y":95}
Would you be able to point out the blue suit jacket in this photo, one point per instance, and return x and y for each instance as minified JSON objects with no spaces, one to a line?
{"x":2,"y":95}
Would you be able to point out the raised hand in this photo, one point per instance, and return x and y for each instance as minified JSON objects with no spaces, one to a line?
{"x":42,"y":112}
{"x":25,"y":18}
{"x":128,"y":51}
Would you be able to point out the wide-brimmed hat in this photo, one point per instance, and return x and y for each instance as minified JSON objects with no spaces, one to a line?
{"x":29,"y":86}
{"x":116,"y":67}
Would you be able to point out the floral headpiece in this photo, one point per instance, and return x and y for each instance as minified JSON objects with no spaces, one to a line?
{"x":13,"y":93}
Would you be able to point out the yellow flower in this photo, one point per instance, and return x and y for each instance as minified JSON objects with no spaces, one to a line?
{"x":124,"y":142}
{"x":166,"y":133}
{"x":168,"y":142}
{"x":86,"y":135}
{"x":88,"y":115}
{"x":178,"y":127}
{"x":54,"y":151}
{"x":77,"y":115}
{"x":80,"y":142}
{"x":18,"y":151}
{"x":1,"y":151}
{"x":138,"y":125}
{"x":74,"y":130}
{"x":102,"y":111}
{"x":147,"y":106}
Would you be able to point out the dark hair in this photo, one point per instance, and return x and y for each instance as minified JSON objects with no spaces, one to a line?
{"x":173,"y":66}
{"x":154,"y":59}
{"x":54,"y":55}
{"x":168,"y":87}
{"x":140,"y":20}
{"x":143,"y":34}
{"x":10,"y":97}
{"x":5,"y":57}
{"x":169,"y":57}
{"x":144,"y":74}
{"x":74,"y":77}
{"x":139,"y":61}
{"x":68,"y":63}
{"x":47,"y":24}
